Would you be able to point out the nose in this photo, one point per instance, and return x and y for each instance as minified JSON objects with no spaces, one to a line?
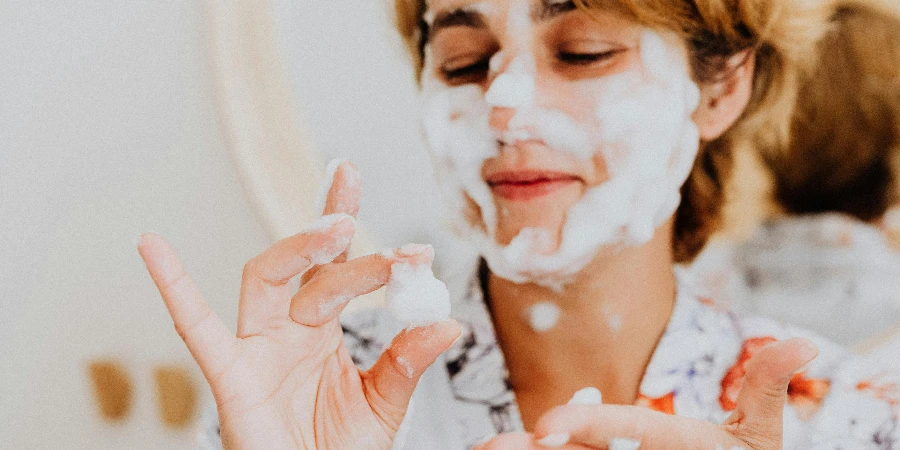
{"x":509,"y":91}
{"x":500,"y":117}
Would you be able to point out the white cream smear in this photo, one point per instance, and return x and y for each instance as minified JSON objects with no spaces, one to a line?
{"x":543,"y":316}
{"x":329,"y":253}
{"x":623,"y":444}
{"x":642,"y":127}
{"x":414,"y":296}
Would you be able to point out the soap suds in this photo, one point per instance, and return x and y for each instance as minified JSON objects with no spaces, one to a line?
{"x":514,"y":88}
{"x":623,"y":444}
{"x":327,"y":254}
{"x":613,"y":320}
{"x":587,"y":396}
{"x":415,"y":297}
{"x":642,"y":127}
{"x":327,"y":182}
{"x":327,"y":308}
{"x":407,"y":367}
{"x":543,"y":316}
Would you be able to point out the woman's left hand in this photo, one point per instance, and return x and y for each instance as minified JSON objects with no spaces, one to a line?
{"x":755,"y":424}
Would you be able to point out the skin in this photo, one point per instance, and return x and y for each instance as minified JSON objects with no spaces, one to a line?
{"x":634,"y":283}
{"x":287,"y":381}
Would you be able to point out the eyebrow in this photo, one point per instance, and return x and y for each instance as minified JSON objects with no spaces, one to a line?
{"x":468,"y":17}
{"x":462,"y":17}
{"x":551,"y":9}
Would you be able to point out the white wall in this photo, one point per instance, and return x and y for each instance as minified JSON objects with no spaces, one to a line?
{"x":108,"y":129}
{"x":356,"y":87}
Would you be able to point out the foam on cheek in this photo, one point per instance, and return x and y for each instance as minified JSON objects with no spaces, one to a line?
{"x":643,"y":129}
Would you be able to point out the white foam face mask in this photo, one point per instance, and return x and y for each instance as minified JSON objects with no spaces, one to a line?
{"x":642,"y":128}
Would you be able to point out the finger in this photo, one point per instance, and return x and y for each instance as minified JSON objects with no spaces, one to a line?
{"x":390,"y":382}
{"x":322,"y":299}
{"x":208,"y":339}
{"x":757,"y":418}
{"x":339,"y":194}
{"x":265,"y":295}
{"x":597,"y":426}
{"x":508,"y":441}
{"x":522,"y":441}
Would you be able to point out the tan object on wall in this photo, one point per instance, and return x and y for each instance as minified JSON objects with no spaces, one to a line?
{"x":176,"y":396}
{"x":278,"y":166}
{"x":113,"y":389}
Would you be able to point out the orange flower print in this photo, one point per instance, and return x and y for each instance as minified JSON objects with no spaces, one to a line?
{"x":804,"y":394}
{"x":886,"y":389}
{"x":664,"y":404}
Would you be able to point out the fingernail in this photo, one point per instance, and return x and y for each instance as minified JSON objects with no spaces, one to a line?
{"x":555,"y":440}
{"x":809,"y":350}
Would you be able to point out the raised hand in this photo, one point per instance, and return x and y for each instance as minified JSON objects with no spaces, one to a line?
{"x":286,"y":381}
{"x":755,"y":424}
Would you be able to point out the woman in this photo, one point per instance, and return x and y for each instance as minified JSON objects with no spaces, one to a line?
{"x":583,"y":146}
{"x":825,"y":261}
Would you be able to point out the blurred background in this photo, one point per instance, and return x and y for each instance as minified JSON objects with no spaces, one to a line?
{"x":110,"y":126}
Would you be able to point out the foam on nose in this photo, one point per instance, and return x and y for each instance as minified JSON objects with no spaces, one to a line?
{"x":514,"y":88}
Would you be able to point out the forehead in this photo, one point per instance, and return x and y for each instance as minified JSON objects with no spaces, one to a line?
{"x":439,"y":11}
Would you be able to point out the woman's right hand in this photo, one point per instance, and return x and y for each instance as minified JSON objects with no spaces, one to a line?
{"x":286,"y":381}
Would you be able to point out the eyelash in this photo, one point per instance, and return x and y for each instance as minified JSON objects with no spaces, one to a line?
{"x":480,"y":68}
{"x":584,"y":59}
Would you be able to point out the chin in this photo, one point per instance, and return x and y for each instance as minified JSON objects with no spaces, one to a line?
{"x":547,"y":212}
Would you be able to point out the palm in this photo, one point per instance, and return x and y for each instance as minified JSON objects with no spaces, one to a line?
{"x":274,"y":373}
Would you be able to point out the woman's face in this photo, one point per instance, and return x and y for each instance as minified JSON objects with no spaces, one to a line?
{"x":557,"y":131}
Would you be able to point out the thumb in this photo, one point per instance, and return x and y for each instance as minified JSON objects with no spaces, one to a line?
{"x":392,"y":379}
{"x":757,"y":418}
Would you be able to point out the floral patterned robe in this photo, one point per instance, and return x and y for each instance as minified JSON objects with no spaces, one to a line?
{"x":841,"y":402}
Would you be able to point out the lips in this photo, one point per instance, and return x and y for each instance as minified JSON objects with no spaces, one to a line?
{"x":523,"y":185}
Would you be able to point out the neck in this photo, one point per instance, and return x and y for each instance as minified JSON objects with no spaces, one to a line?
{"x":611,"y":319}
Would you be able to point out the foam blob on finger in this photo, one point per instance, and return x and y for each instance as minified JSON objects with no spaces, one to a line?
{"x":587,"y":396}
{"x":414,"y":296}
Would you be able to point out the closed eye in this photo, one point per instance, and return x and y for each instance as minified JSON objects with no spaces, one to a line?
{"x":583,"y":59}
{"x":470,"y":73}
